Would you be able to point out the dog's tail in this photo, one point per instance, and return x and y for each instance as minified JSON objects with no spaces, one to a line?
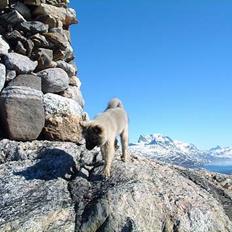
{"x":114,"y":103}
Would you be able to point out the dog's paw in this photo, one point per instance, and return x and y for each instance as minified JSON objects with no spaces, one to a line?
{"x":106,"y":173}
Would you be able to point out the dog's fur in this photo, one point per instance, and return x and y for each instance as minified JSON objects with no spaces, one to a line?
{"x":103,"y":130}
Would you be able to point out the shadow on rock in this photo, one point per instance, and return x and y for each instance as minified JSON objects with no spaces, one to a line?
{"x":52,"y":163}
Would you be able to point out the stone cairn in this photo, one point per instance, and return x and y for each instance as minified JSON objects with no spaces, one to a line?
{"x":40,"y":95}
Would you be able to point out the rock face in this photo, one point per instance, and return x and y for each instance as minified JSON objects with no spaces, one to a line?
{"x":35,"y":55}
{"x":60,"y":187}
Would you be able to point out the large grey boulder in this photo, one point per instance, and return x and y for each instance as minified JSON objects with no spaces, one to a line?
{"x":27,"y":80}
{"x":20,"y":63}
{"x":54,"y":80}
{"x":2,"y":76}
{"x":22,"y":112}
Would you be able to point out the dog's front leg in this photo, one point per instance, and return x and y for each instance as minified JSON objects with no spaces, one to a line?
{"x":109,"y":154}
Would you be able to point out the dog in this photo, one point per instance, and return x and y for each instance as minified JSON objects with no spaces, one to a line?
{"x":103,"y":130}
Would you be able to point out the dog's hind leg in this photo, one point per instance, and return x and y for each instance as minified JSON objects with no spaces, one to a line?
{"x":109,"y":155}
{"x":124,"y":142}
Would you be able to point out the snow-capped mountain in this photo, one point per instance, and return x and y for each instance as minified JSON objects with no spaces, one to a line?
{"x":171,"y":151}
{"x":220,"y":154}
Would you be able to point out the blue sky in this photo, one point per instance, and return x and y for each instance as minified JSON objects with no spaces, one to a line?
{"x":170,"y":62}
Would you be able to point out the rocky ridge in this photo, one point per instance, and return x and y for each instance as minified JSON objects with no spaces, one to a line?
{"x":54,"y":186}
{"x":37,"y":72}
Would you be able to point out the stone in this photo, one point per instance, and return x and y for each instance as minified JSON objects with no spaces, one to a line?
{"x":54,"y":80}
{"x":10,"y":75}
{"x":13,"y":17}
{"x":66,"y":55}
{"x":20,"y":48}
{"x":68,"y":68}
{"x":15,"y":36}
{"x":4,"y":46}
{"x":63,"y":128}
{"x":66,"y":15}
{"x":2,"y":76}
{"x":60,"y":106}
{"x":40,"y":41}
{"x":33,"y":27}
{"x":74,"y":93}
{"x":32,"y":2}
{"x":62,"y":119}
{"x":27,"y":80}
{"x":75,"y":81}
{"x":23,"y":10}
{"x":22,"y":112}
{"x":45,"y":59}
{"x":33,"y":199}
{"x":58,"y":39}
{"x":19,"y":63}
{"x":4,"y":4}
{"x":52,"y":22}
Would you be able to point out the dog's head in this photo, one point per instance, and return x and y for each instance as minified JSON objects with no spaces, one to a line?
{"x":93,"y":134}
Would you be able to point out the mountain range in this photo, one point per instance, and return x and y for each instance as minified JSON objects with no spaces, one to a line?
{"x":165,"y":149}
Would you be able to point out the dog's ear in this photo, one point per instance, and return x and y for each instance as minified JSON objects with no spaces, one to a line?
{"x":97,"y":129}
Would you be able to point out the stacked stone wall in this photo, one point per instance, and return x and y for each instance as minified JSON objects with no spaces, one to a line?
{"x":40,"y":91}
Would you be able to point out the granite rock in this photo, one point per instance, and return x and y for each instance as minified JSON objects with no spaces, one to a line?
{"x":2,"y":76}
{"x":54,"y":80}
{"x":19,"y":63}
{"x":22,"y":112}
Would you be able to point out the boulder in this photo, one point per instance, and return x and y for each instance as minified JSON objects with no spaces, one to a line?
{"x":70,"y":69}
{"x":20,"y":63}
{"x":75,"y":81}
{"x":2,"y":76}
{"x":51,"y":21}
{"x":66,"y":15}
{"x":4,"y":47}
{"x":27,"y":80}
{"x":23,"y":10}
{"x":74,"y":93}
{"x":33,"y":27}
{"x":54,"y":80}
{"x":22,"y":112}
{"x":33,"y":2}
{"x":40,"y":41}
{"x":10,"y":75}
{"x":62,"y":119}
{"x":58,"y":39}
{"x":44,"y":57}
{"x":13,"y":17}
{"x":4,"y":4}
{"x":20,"y":48}
{"x":15,"y":37}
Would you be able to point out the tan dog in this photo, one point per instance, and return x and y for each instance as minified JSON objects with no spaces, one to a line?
{"x":103,"y":130}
